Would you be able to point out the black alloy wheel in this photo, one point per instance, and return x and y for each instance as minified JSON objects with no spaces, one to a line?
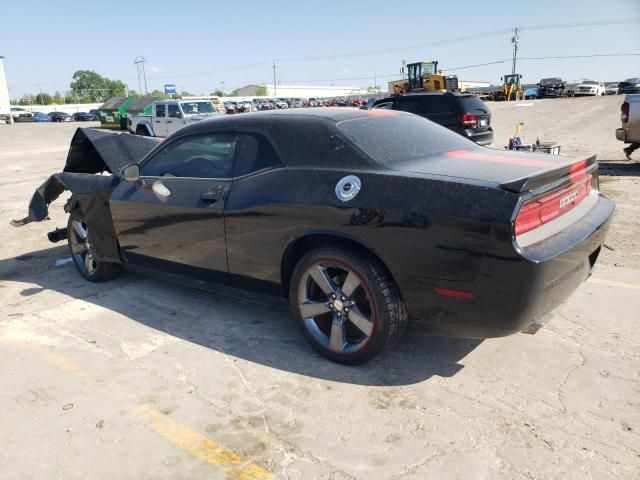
{"x":83,"y":254}
{"x":347,"y":305}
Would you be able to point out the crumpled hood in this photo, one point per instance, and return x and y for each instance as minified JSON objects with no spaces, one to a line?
{"x":95,"y":151}
{"x":91,"y":152}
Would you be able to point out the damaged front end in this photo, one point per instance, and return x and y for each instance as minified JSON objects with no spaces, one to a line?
{"x":90,"y":174}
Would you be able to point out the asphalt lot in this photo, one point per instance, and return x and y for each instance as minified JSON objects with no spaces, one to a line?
{"x":140,"y":379}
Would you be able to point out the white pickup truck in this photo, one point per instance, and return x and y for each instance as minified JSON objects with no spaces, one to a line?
{"x":167,"y":116}
{"x":630,"y":130}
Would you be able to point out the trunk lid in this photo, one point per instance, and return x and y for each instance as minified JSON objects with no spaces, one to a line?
{"x":512,"y":171}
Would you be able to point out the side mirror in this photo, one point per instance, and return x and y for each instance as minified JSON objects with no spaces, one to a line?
{"x":131,"y":173}
{"x":179,"y":114}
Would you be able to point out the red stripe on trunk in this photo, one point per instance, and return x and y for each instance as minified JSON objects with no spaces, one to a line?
{"x":487,"y":157}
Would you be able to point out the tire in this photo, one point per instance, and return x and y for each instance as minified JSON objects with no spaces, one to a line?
{"x":79,"y":240}
{"x":348,"y":307}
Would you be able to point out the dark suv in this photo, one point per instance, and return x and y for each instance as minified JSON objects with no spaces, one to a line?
{"x":463,"y":113}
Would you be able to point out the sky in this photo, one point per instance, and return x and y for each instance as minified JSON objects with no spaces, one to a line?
{"x":196,"y":45}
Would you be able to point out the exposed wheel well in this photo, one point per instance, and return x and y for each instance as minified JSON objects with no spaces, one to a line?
{"x":143,"y":130}
{"x":302,"y":245}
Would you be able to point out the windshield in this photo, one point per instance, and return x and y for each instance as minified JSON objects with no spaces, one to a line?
{"x":589,"y":82}
{"x":550,"y":81}
{"x":194,"y":108}
{"x":510,"y":79}
{"x":391,"y":137}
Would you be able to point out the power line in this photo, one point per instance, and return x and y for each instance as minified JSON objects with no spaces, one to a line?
{"x":505,"y":60}
{"x":595,"y":23}
{"x":364,"y":53}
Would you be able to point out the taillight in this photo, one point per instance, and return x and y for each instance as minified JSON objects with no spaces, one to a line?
{"x":542,"y":210}
{"x":469,"y":120}
{"x":624,"y":112}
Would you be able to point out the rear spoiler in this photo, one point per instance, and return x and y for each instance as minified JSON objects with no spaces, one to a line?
{"x":554,"y":177}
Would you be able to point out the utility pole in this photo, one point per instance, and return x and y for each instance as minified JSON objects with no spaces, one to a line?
{"x":222,"y":88}
{"x":139,"y":63}
{"x":375,"y":81}
{"x":514,"y":40}
{"x":274,"y":79}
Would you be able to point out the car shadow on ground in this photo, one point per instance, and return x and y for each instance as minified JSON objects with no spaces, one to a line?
{"x":255,"y":332}
{"x":619,"y":169}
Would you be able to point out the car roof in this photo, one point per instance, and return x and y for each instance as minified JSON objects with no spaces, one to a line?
{"x":293,"y":131}
{"x":264,"y":119}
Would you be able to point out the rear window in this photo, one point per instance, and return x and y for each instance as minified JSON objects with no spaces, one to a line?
{"x":472,"y":103}
{"x":398,"y":137}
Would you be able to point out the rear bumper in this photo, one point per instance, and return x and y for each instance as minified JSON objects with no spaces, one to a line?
{"x":518,"y":287}
{"x":481,"y":138}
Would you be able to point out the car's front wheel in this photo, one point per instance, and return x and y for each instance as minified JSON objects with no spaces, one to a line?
{"x":83,"y":254}
{"x":347,"y":304}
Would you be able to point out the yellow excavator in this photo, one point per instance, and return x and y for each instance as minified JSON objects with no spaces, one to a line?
{"x":424,"y":77}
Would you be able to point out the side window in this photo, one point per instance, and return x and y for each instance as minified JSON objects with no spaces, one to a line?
{"x":199,"y":156}
{"x":385,"y":105}
{"x":160,"y":110}
{"x":437,"y":104}
{"x":174,"y":111}
{"x":411,"y":105}
{"x":253,"y":152}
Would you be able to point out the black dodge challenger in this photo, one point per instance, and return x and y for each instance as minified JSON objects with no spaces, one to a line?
{"x":362,"y":219}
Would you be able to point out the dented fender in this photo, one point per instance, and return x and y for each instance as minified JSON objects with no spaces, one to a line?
{"x":90,"y":174}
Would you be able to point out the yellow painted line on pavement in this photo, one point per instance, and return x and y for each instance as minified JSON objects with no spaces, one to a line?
{"x":63,"y":363}
{"x":201,"y":447}
{"x":600,"y":281}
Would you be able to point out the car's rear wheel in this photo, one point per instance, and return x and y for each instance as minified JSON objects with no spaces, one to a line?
{"x":83,"y":255}
{"x":347,"y":305}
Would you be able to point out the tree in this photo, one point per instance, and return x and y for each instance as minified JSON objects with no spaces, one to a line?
{"x":88,"y":85}
{"x":43,"y":99}
{"x":217,"y":93}
{"x":27,"y":99}
{"x":159,"y":94}
{"x":57,"y":98}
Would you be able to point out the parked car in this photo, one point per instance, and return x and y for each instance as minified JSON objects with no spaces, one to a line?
{"x":60,"y":117}
{"x":168,"y":116}
{"x":280,"y":103}
{"x":530,"y":93}
{"x":589,"y":87}
{"x":462,"y":113}
{"x":630,"y":85}
{"x":21,"y":115}
{"x":361,"y":219}
{"x":629,"y":132}
{"x":552,"y":87}
{"x":95,"y":112}
{"x":41,"y":117}
{"x":611,"y":89}
{"x":84,"y":117}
